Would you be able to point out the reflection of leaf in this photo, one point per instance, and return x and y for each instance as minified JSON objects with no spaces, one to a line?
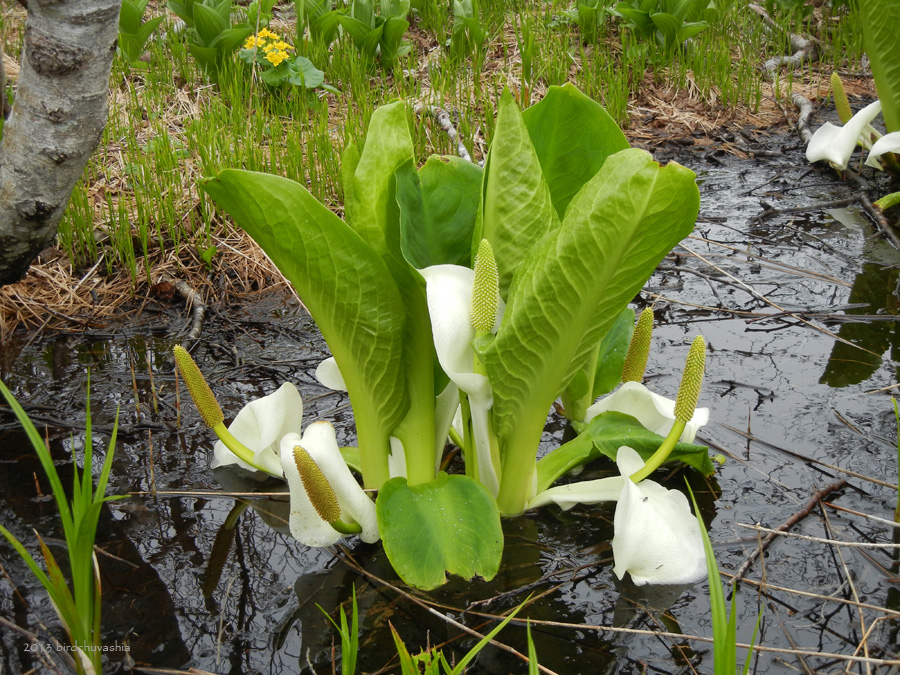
{"x":848,"y":365}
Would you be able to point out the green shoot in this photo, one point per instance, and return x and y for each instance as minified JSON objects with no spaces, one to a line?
{"x":78,"y":606}
{"x":349,"y":636}
{"x":724,"y":622}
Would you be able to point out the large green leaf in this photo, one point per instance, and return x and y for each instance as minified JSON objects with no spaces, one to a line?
{"x":345,"y":284}
{"x":602,"y":372}
{"x":438,"y":207}
{"x":572,"y":136}
{"x":371,"y":208}
{"x":603,"y":437}
{"x":449,"y":525}
{"x":130,"y":17}
{"x":570,"y":290}
{"x":880,"y":19}
{"x":369,"y":201}
{"x":208,"y":24}
{"x":516,"y":208}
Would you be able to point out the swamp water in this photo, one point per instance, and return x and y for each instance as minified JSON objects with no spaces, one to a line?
{"x":215,"y":583}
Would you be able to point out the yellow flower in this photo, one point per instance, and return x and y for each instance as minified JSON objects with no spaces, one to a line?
{"x":265,"y":32}
{"x":276,"y":57}
{"x":250,"y":43}
{"x":269,"y":48}
{"x":281,"y":44}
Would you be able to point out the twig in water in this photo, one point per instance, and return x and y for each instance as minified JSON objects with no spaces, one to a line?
{"x":790,"y":522}
{"x":194,"y":302}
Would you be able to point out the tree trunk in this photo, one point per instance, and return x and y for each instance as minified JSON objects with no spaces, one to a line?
{"x":56,"y":121}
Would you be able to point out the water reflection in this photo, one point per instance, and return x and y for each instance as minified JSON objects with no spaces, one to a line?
{"x":875,"y":289}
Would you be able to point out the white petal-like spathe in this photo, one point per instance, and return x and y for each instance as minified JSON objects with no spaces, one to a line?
{"x":306,"y":525}
{"x":448,"y":292}
{"x":836,"y":144}
{"x":585,"y":492}
{"x":397,"y":458}
{"x":329,"y":375}
{"x":260,"y":425}
{"x":887,"y":143}
{"x":654,"y":412}
{"x":657,"y":539}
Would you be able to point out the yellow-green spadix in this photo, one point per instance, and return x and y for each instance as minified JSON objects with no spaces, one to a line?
{"x":340,"y":499}
{"x":638,"y":348}
{"x":257,"y":428}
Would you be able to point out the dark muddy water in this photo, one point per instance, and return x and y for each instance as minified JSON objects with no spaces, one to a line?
{"x":211,"y":582}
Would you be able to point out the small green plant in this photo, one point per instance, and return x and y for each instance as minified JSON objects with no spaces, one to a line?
{"x":321,"y":18}
{"x":468,"y":35}
{"x":374,"y":34}
{"x":134,"y":31}
{"x":211,"y":37}
{"x":724,"y":622}
{"x":428,"y":662}
{"x":349,"y":636}
{"x":798,"y":10}
{"x":666,"y":23}
{"x":259,"y":13}
{"x":78,"y":607}
{"x":588,"y":14}
{"x":276,"y":67}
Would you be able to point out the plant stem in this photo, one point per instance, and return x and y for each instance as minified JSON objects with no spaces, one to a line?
{"x":660,"y":455}
{"x":242,"y":452}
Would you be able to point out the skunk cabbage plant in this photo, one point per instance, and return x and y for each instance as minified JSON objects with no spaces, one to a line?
{"x":491,"y":292}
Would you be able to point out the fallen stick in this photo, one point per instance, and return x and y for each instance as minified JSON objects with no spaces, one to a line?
{"x":442,"y":117}
{"x":786,"y":525}
{"x":195,"y":304}
{"x":803,"y":51}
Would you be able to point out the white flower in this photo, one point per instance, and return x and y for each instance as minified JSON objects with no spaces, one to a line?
{"x":654,"y":412}
{"x":836,"y":144}
{"x":657,"y":539}
{"x":329,"y":375}
{"x":887,"y":143}
{"x":260,"y":425}
{"x":448,"y":290}
{"x":307,"y":526}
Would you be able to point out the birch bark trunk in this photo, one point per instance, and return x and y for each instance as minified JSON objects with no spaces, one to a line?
{"x":56,"y":122}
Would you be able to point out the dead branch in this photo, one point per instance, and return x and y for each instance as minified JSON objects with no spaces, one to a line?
{"x":803,"y":51}
{"x":195,"y":304}
{"x":442,"y":117}
{"x":786,"y":525}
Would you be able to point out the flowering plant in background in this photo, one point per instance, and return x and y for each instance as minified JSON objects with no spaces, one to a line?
{"x":277,"y":65}
{"x":490,"y":292}
{"x":836,"y":144}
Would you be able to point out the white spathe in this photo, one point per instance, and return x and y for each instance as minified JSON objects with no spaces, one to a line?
{"x":329,"y":375}
{"x":836,"y":144}
{"x":654,"y":412}
{"x":584,"y":492}
{"x":260,"y":425}
{"x":306,"y":525}
{"x":448,"y":292}
{"x":657,"y":539}
{"x":887,"y":143}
